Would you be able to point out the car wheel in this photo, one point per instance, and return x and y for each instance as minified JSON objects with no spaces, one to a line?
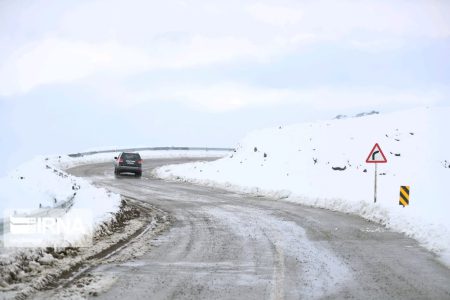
{"x":138,"y":174}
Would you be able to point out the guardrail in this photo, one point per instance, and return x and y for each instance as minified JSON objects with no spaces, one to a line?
{"x":81,"y":154}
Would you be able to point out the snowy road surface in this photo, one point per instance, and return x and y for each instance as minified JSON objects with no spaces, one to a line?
{"x":224,"y":245}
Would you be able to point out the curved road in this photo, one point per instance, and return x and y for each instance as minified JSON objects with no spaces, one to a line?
{"x":224,"y":245}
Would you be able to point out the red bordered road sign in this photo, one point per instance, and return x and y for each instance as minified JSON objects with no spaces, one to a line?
{"x":376,"y":155}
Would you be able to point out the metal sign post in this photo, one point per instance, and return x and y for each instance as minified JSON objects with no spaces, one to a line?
{"x":374,"y":158}
{"x":375,"y":186}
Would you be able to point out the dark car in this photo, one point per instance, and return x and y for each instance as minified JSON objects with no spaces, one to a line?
{"x":128,"y":163}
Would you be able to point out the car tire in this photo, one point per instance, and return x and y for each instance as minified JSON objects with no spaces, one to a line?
{"x":138,"y":174}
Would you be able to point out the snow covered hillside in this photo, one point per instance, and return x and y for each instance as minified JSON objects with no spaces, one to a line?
{"x":323,"y":164}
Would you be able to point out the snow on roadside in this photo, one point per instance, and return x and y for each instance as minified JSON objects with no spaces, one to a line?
{"x":322,"y":164}
{"x":38,"y":185}
{"x":39,"y":188}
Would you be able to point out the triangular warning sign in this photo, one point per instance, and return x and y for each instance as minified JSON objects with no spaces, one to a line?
{"x":376,"y":155}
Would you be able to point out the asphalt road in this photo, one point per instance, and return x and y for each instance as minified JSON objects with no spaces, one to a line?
{"x":224,"y":245}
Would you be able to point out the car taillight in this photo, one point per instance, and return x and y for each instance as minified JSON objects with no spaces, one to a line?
{"x":120,"y":160}
{"x":140,"y":161}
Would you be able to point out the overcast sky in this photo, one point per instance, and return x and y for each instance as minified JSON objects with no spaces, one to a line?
{"x":83,"y":74}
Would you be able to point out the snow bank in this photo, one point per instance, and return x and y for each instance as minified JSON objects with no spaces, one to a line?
{"x":322,"y":164}
{"x":37,"y":187}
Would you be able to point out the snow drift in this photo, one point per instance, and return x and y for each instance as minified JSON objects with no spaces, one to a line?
{"x":39,"y":187}
{"x":322,"y":164}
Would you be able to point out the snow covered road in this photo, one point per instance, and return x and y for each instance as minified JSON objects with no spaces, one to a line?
{"x":224,"y":245}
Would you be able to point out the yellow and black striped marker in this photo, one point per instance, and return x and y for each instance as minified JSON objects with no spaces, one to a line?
{"x":404,"y":195}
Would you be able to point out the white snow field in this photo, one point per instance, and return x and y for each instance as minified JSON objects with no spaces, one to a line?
{"x":295,"y":163}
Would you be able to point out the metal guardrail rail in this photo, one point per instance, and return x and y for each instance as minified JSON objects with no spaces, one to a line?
{"x":81,"y":154}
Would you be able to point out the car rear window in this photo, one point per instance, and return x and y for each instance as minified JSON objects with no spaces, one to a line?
{"x":131,"y":156}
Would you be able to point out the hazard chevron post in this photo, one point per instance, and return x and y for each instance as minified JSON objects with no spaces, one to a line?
{"x":404,"y":195}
